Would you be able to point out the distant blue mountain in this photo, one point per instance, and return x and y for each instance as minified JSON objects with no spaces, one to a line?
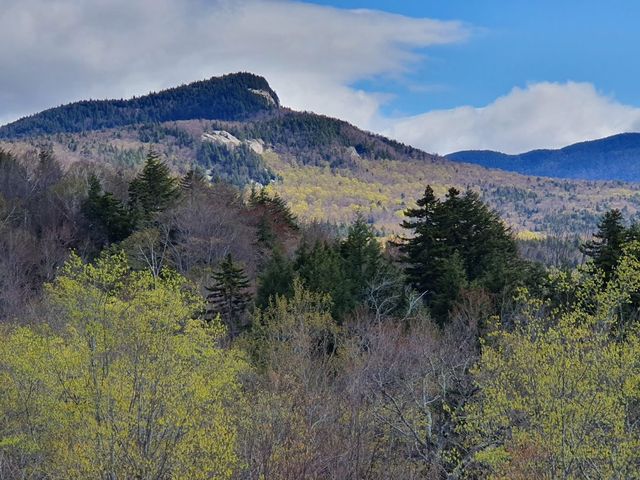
{"x":612,"y":158}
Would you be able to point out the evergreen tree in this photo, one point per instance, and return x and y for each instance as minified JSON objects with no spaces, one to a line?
{"x":423,"y":252}
{"x":106,"y":213}
{"x":606,"y":247}
{"x":361,"y":255}
{"x":457,"y":241}
{"x":153,"y":190}
{"x":278,"y":210}
{"x":322,"y":270}
{"x":91,"y":206}
{"x":195,"y":178}
{"x":228,"y":295}
{"x":452,"y":277}
{"x":276,"y":279}
{"x":265,"y":236}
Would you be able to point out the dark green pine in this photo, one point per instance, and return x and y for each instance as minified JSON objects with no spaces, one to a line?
{"x":228,"y":295}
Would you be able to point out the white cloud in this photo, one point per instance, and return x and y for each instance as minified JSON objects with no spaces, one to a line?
{"x":542,"y":115}
{"x":57,"y":51}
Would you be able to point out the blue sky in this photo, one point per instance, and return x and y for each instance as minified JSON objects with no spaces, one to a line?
{"x":442,"y":75}
{"x":516,"y":42}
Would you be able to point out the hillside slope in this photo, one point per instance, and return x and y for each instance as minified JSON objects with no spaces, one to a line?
{"x":230,"y":97}
{"x":612,"y":158}
{"x":326,"y":168}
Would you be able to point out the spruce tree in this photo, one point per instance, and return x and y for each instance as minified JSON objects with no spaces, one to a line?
{"x":451,"y":278}
{"x":265,"y":236}
{"x":276,"y":279}
{"x":91,"y":206}
{"x":322,"y":270}
{"x":153,"y":190}
{"x":361,"y":255}
{"x":454,"y":242}
{"x":424,"y":250}
{"x":277,"y":209}
{"x":228,"y":295}
{"x":106,"y":214}
{"x":374,"y":280}
{"x":195,"y":178}
{"x":606,"y":248}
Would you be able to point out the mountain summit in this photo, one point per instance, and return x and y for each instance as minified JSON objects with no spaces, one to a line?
{"x":237,"y":96}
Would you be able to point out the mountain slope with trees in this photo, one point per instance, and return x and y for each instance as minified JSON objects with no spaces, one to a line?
{"x":612,"y":158}
{"x":163,"y":326}
{"x":231,"y":97}
{"x":325,"y":168}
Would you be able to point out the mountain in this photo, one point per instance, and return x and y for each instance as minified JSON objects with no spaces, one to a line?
{"x":231,"y":97}
{"x":234,"y":128}
{"x":612,"y":158}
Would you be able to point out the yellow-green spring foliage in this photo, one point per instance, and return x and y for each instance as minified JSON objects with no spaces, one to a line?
{"x":124,"y":384}
{"x":559,"y":395}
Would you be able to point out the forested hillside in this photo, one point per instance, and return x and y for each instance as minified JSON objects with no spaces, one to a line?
{"x":325,"y":168}
{"x":329,"y":170}
{"x":612,"y":158}
{"x":231,"y":97}
{"x":163,"y":326}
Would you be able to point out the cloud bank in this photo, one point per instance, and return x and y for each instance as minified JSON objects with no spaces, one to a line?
{"x":57,"y":51}
{"x":542,"y":115}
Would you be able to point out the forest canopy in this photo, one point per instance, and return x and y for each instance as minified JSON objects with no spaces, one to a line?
{"x":163,"y":326}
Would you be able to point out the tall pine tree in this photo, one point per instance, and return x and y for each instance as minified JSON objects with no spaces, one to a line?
{"x":362,"y":256}
{"x":456,"y":242}
{"x":107,"y":215}
{"x":228,"y":295}
{"x":424,"y":251}
{"x":607,"y":245}
{"x":194,"y":179}
{"x":153,"y":190}
{"x":276,"y":279}
{"x":321,"y":269}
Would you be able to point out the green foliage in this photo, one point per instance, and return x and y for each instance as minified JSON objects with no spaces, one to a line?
{"x":195,"y":178}
{"x":277,"y":278}
{"x":299,"y":326}
{"x":322,"y":270}
{"x":275,"y":207}
{"x":448,"y":285}
{"x":153,"y":190}
{"x":606,"y":248}
{"x":265,"y":236}
{"x":361,"y":253}
{"x":324,"y":141}
{"x":116,"y":376}
{"x":228,"y":297}
{"x":352,"y":272}
{"x":128,"y":386}
{"x":155,"y":133}
{"x":558,"y":396}
{"x":455,"y":242}
{"x":106,"y":213}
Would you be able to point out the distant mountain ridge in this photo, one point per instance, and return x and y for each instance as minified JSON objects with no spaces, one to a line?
{"x":236,"y":96}
{"x":612,"y":158}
